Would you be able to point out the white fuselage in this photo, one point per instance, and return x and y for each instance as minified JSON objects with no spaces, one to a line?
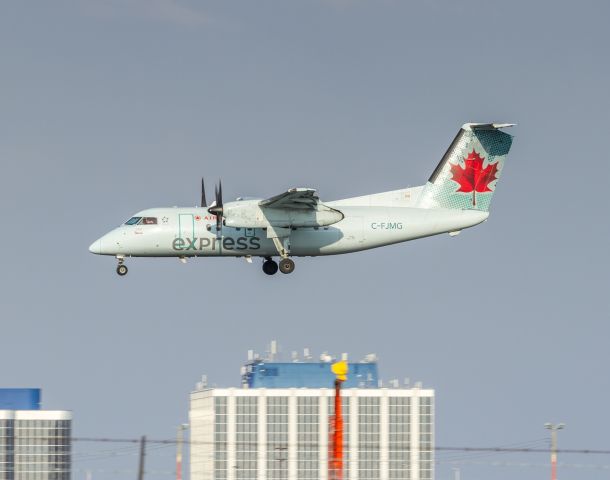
{"x":297,"y":223}
{"x":191,"y":232}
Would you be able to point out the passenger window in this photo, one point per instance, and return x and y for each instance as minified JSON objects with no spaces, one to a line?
{"x":133,"y":221}
{"x":149,"y":221}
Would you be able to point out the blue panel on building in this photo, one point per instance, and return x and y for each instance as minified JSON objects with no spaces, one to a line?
{"x":260,"y":374}
{"x":19,"y":398}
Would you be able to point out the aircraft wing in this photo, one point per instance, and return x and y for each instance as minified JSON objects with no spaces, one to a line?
{"x":295,"y":198}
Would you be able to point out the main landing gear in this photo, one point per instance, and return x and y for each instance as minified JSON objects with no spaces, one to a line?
{"x":121,"y":268}
{"x":286,"y":265}
{"x":281,"y":240}
{"x":270,"y":267}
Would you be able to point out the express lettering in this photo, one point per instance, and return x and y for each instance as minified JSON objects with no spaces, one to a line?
{"x":205,"y":243}
{"x":386,"y":226}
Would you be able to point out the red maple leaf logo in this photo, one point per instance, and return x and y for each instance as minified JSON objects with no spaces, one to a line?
{"x":473,"y":177}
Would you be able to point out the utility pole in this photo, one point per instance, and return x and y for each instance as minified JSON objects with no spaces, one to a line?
{"x":179,"y":444}
{"x":142,"y":456}
{"x":553,"y":428}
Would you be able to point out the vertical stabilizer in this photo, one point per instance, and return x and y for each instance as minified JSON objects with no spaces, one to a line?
{"x":467,"y":175}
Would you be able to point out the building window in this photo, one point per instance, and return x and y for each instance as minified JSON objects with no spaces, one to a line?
{"x":220,"y":438}
{"x":368,"y":438}
{"x":308,"y":423}
{"x":426,"y":441}
{"x":277,"y":438}
{"x":399,"y":410}
{"x":35,"y":449}
{"x":246,"y":438}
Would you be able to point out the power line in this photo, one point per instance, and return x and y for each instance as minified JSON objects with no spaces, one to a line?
{"x":499,"y":463}
{"x":523,"y":450}
{"x":369,"y":447}
{"x":456,"y":456}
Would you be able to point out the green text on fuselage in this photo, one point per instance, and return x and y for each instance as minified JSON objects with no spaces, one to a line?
{"x":211,"y":243}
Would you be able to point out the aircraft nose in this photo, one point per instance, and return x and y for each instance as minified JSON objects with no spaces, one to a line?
{"x":96,"y":247}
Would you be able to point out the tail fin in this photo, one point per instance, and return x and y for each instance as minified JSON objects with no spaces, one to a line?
{"x":467,"y":175}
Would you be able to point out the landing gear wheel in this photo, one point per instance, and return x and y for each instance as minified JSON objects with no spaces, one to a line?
{"x":269,"y":267}
{"x":286,"y":265}
{"x":122,"y":270}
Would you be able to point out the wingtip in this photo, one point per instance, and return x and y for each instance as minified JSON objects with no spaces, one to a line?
{"x":487,"y":126}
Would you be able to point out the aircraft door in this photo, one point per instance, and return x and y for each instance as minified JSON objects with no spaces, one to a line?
{"x":186,"y":226}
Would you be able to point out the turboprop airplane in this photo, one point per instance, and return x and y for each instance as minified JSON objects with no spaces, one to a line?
{"x":297,"y":223}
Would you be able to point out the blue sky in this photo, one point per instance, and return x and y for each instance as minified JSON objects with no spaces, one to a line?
{"x":111,"y":106}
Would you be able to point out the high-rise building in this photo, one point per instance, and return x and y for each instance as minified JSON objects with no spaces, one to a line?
{"x":34,"y":443}
{"x":276,"y":426}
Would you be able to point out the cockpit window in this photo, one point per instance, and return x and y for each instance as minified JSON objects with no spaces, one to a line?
{"x":133,"y":221}
{"x":149,"y":221}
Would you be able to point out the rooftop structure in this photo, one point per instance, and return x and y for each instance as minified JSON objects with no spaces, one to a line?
{"x":19,"y":398}
{"x":264,"y":374}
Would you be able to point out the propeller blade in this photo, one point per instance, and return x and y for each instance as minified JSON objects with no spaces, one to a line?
{"x":217,"y":209}
{"x":204,"y":202}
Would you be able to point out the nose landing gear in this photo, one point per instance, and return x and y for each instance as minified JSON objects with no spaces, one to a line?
{"x":121,"y":268}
